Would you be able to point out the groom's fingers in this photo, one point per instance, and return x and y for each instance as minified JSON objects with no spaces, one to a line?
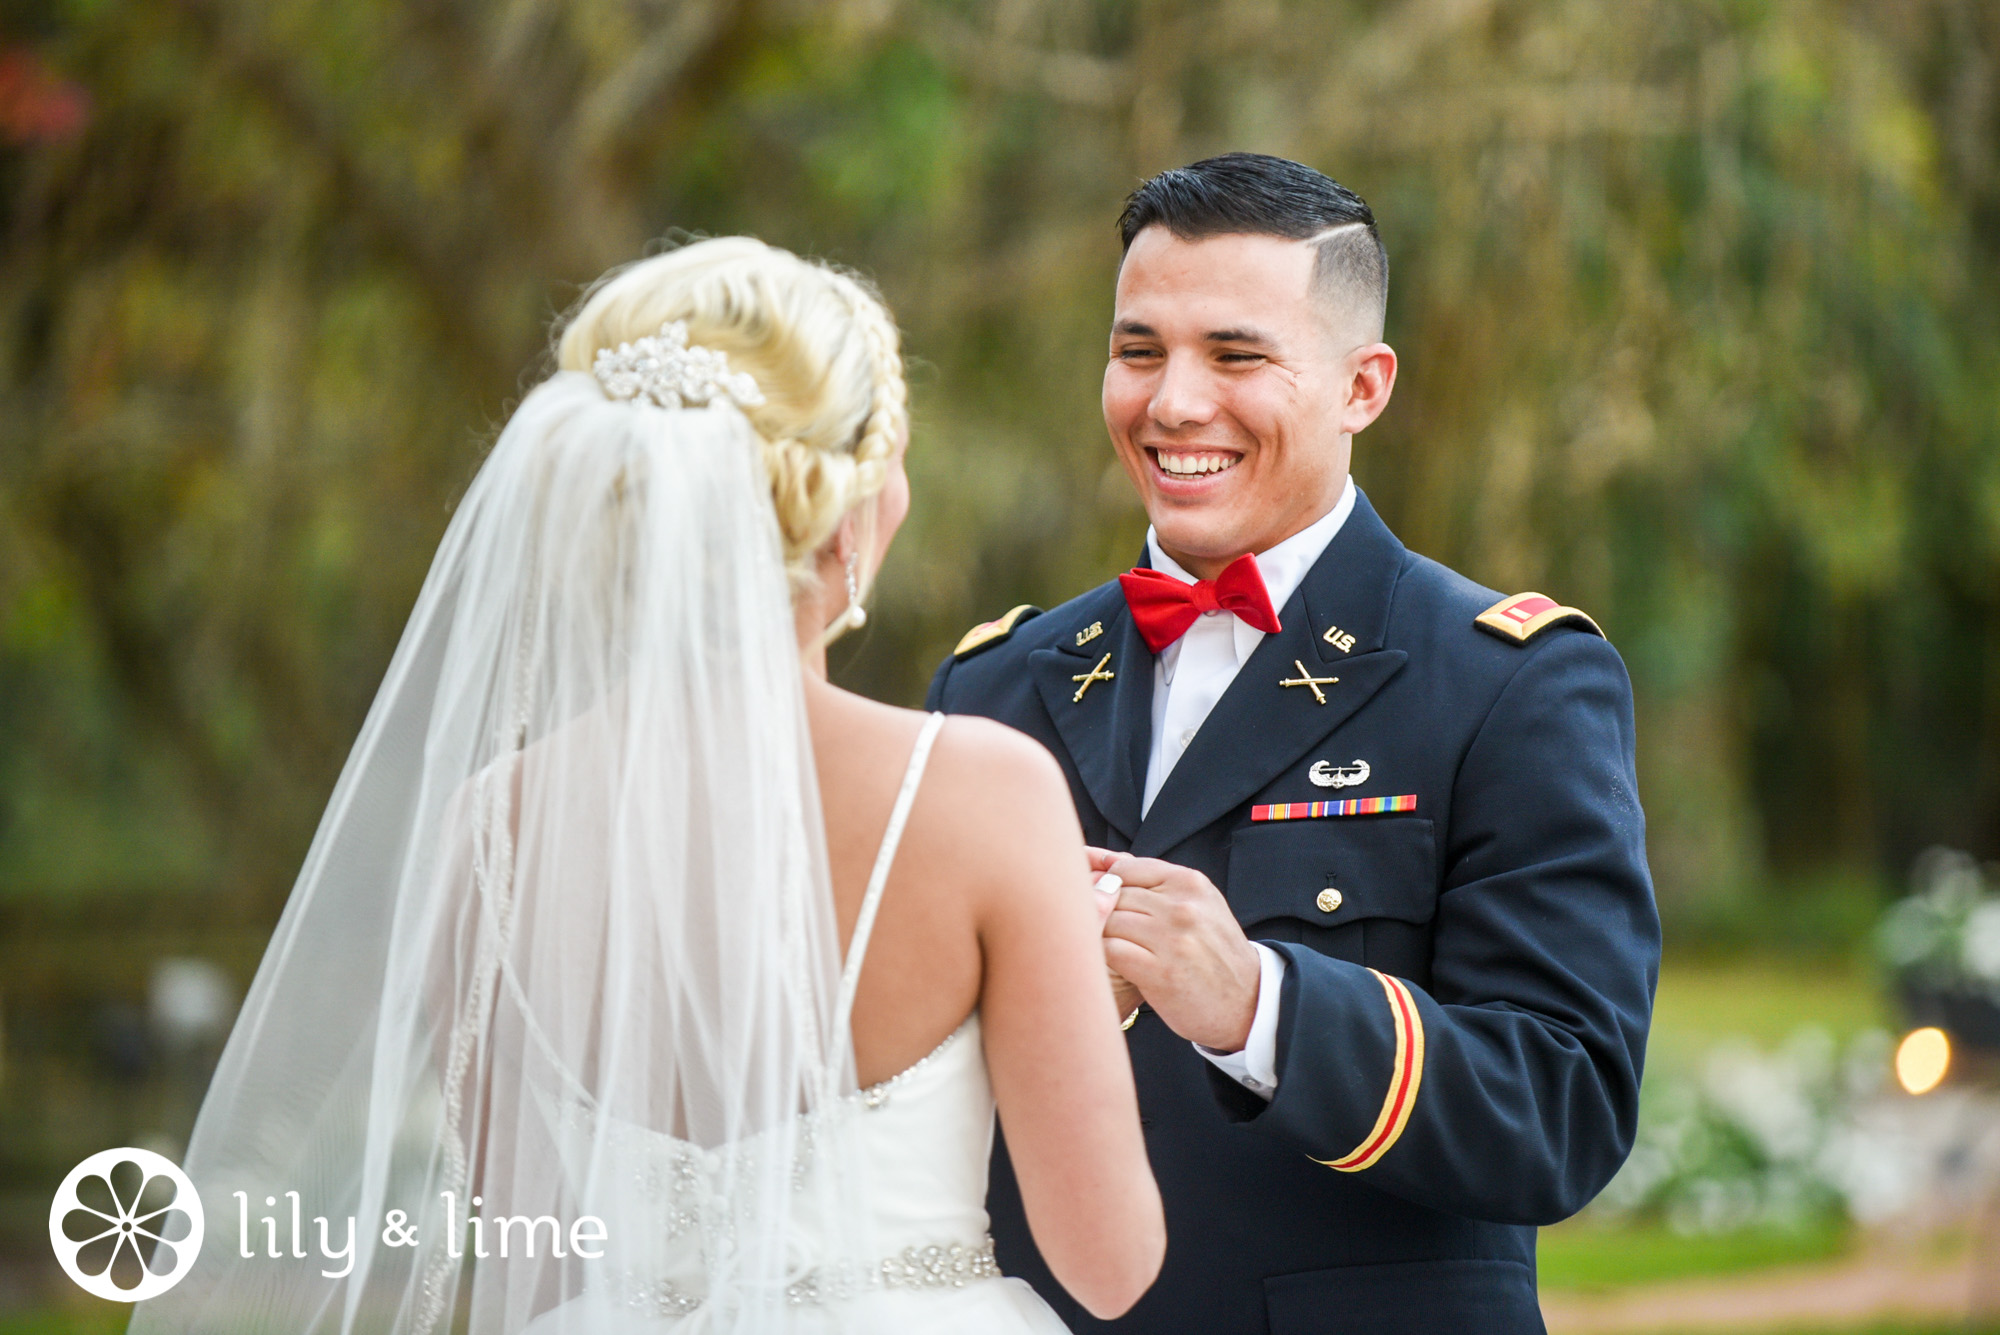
{"x":1155,"y":901}
{"x":1179,"y":943}
{"x":1130,"y":961}
{"x":1144,"y":872}
{"x":1100,"y":859}
{"x":1154,"y":918}
{"x":1143,"y":917}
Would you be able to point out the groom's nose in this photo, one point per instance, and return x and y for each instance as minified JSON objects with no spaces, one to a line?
{"x":1185,"y":394}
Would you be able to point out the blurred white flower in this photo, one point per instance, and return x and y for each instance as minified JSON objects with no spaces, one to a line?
{"x":1876,"y":1169}
{"x":1714,"y":1205}
{"x":1949,"y":878}
{"x":1864,"y":1070}
{"x":1912,"y":931}
{"x":1947,"y":931}
{"x":1981,"y":949}
{"x":1769,"y":1096}
{"x":1773,"y":1138}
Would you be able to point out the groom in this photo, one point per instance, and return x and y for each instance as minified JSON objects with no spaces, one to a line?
{"x":1386,"y":898}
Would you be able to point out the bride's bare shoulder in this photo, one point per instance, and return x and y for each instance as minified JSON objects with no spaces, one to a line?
{"x":999,"y":786}
{"x":981,"y":750}
{"x":991,"y":795}
{"x":970,"y":750}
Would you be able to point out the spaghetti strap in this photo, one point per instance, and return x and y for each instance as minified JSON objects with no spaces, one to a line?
{"x":871,"y":899}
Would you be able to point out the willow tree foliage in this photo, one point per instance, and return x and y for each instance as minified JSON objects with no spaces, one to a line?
{"x":1694,"y":302}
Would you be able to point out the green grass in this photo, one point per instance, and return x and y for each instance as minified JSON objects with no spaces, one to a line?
{"x":1582,"y":1256}
{"x":102,"y":1319}
{"x":1703,"y":1002}
{"x":1879,"y":1329}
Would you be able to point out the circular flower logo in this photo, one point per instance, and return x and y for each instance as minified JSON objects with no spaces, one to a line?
{"x":126,"y":1224}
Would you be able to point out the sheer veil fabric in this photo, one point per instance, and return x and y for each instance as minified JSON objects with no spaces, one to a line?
{"x":570,"y":890}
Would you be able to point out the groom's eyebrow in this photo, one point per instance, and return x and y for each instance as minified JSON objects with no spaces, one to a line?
{"x":1136,"y":329}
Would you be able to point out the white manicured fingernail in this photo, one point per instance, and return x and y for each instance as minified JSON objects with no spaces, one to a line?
{"x":1110,"y":883}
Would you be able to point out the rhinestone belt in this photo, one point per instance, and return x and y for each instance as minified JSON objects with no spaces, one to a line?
{"x":937,"y":1266}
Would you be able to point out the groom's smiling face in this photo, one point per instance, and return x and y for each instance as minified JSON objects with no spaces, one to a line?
{"x":1233,"y":391}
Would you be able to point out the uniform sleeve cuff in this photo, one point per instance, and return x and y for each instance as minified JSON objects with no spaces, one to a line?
{"x":1256,"y":1066}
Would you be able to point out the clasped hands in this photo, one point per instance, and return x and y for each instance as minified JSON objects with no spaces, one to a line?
{"x":1171,"y":941}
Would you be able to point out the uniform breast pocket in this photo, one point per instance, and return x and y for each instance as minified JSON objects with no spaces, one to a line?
{"x":1328,"y":873}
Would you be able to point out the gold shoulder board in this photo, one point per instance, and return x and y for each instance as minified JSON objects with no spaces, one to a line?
{"x":992,"y":632}
{"x":1526,"y":615}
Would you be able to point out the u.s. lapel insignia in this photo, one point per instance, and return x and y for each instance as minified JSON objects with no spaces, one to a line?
{"x":1309,"y":681}
{"x":1094,"y":675}
{"x":1324,"y":775}
{"x":1339,"y":639}
{"x":1089,"y":633}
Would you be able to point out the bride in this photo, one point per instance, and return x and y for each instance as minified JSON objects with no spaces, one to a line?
{"x":638,"y":979}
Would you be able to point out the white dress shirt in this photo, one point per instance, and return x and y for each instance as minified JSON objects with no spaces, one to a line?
{"x":1189,"y":676}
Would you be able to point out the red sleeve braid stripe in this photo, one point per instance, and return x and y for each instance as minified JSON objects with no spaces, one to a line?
{"x":1404,"y":1079}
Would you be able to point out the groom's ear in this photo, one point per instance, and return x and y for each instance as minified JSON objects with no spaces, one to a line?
{"x":1374,"y":380}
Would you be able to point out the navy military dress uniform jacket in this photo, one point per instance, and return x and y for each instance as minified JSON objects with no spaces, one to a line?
{"x":1470,"y":936}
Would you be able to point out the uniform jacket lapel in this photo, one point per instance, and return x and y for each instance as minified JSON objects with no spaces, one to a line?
{"x":1107,"y":730}
{"x":1259,"y":728}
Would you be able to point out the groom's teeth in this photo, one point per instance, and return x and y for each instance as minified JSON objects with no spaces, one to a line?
{"x":1189,"y":464}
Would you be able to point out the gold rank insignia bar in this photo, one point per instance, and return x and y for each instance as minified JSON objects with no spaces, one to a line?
{"x":1526,"y":615}
{"x":994,"y":631}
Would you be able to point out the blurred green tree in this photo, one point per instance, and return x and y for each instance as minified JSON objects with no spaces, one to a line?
{"x":1693,"y":300}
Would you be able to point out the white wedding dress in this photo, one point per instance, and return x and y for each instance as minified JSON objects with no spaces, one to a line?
{"x":564,"y":954}
{"x":919,"y":1259}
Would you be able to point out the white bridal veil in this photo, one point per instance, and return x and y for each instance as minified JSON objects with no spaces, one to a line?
{"x":562,"y":957}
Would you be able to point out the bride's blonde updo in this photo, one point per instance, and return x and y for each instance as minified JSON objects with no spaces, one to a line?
{"x":820,"y":345}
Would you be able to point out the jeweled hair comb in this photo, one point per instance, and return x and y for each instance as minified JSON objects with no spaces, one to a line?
{"x":666,"y":370}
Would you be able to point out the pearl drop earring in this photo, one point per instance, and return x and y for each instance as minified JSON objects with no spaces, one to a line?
{"x":856,"y":616}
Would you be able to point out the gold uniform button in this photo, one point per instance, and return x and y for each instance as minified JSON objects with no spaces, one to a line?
{"x":1329,"y":900}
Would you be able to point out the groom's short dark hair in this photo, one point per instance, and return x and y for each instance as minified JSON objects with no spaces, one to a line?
{"x":1267,"y":196}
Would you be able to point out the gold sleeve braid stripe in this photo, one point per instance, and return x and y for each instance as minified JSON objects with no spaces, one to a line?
{"x":1404,"y":1079}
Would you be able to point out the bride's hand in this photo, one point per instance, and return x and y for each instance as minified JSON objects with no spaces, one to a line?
{"x":1105,"y":893}
{"x":1107,"y":887}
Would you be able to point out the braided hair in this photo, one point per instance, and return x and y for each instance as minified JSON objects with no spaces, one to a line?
{"x":819,"y":342}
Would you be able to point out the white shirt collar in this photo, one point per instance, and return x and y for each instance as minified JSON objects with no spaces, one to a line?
{"x":1283,"y":567}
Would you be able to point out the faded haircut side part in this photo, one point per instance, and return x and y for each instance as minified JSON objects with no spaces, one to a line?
{"x":1260,"y":195}
{"x":1350,"y":278}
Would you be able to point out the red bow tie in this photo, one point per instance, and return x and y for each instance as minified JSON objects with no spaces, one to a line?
{"x":1164,"y":607}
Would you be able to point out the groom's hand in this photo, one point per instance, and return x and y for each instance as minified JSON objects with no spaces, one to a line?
{"x":1173,"y":937}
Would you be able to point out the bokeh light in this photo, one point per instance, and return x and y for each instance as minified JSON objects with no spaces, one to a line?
{"x":1922,"y":1059}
